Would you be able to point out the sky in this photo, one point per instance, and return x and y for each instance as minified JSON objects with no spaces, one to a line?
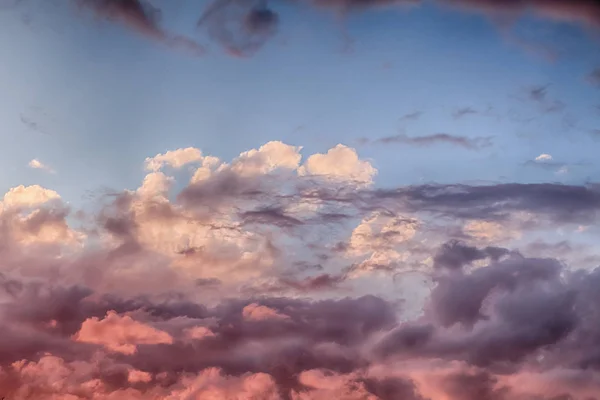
{"x":300,"y":199}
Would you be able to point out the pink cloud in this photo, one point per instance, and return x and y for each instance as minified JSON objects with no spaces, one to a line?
{"x":120,"y":333}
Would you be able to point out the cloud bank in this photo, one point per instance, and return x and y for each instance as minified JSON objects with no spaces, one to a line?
{"x":250,"y":281}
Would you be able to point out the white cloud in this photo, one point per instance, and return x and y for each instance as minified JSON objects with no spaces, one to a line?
{"x":37,"y":164}
{"x":339,"y":163}
{"x":544,"y":157}
{"x":269,"y":157}
{"x":175,"y":159}
{"x":28,"y":196}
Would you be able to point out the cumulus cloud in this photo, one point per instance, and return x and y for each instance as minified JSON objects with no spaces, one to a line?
{"x":340,"y":163}
{"x":28,"y":196}
{"x":236,"y":289}
{"x":174,"y":159}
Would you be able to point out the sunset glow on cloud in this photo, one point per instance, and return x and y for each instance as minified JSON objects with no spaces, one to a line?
{"x":411,"y":212}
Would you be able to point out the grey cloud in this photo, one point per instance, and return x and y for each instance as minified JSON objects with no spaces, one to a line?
{"x":506,"y":313}
{"x":478,"y":385}
{"x":562,"y":203}
{"x":459,"y":299}
{"x":454,"y":255}
{"x":462,"y":112}
{"x":412,"y":116}
{"x":274,"y":216}
{"x":241,"y":27}
{"x":434,"y":139}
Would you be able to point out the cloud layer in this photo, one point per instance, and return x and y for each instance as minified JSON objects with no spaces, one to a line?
{"x":282,"y":276}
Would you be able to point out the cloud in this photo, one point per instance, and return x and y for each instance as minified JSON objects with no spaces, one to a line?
{"x":174,"y":159}
{"x":462,"y":112}
{"x":140,"y":17}
{"x":28,"y":196}
{"x":340,"y":163}
{"x":36,"y":164}
{"x":543,"y":157}
{"x":120,"y":333}
{"x":560,"y":203}
{"x":539,"y":95}
{"x":455,"y":255}
{"x":242,"y":28}
{"x":546,"y":161}
{"x":256,"y":312}
{"x":412,"y":116}
{"x":578,"y":11}
{"x":437,"y":138}
{"x":251,"y":285}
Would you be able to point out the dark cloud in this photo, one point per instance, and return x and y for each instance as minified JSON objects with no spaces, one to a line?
{"x":562,"y":203}
{"x":392,"y":388}
{"x":274,"y":216}
{"x":508,"y":312}
{"x":454,"y":255}
{"x":319,"y":282}
{"x":222,"y":187}
{"x":242,"y":27}
{"x":477,"y":385}
{"x":432,"y":140}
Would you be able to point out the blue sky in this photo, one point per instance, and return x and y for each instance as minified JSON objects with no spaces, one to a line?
{"x":107,"y":98}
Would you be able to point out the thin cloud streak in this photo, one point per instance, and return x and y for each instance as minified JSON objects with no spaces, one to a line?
{"x":434,"y":139}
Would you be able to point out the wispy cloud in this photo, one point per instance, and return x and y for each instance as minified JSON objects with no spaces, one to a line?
{"x":476,"y":143}
{"x":413,"y":116}
{"x":539,"y":95}
{"x":242,"y":27}
{"x":463,"y":112}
